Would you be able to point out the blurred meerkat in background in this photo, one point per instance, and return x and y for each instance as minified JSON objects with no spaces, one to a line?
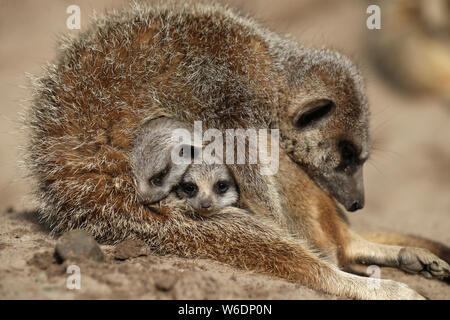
{"x":413,"y":45}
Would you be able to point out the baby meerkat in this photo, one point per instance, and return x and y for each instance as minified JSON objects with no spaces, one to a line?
{"x":208,"y":188}
{"x":154,"y":171}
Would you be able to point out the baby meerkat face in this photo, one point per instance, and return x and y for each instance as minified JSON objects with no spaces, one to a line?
{"x":156,"y":183}
{"x":325,"y":128}
{"x":208,"y":188}
{"x":155,"y":173}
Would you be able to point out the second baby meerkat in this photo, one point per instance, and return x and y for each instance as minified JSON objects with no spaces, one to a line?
{"x":154,"y":172}
{"x":208,"y":188}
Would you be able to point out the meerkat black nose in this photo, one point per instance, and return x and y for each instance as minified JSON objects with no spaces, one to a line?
{"x":356,"y":206}
{"x":206,"y":204}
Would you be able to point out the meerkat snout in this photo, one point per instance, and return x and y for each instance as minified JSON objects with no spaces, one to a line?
{"x":208,"y":188}
{"x":205,"y":203}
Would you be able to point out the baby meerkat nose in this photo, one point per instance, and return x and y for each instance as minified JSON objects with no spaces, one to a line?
{"x":206,"y":204}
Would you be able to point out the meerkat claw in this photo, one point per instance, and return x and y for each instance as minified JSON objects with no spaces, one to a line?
{"x":417,"y":260}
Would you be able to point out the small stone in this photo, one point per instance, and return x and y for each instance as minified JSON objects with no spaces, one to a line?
{"x":165,"y":282}
{"x":77,"y":245}
{"x":130,"y":249}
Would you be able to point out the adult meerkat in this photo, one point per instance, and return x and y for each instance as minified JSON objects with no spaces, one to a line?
{"x":325,"y":132}
{"x":205,"y":62}
{"x":208,"y":188}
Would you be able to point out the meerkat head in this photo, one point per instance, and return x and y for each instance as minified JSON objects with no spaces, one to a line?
{"x":325,"y":127}
{"x":208,"y":188}
{"x":155,"y":173}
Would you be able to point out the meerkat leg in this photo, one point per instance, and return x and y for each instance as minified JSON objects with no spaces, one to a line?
{"x":409,"y":259}
{"x":236,"y":238}
{"x":395,"y":239}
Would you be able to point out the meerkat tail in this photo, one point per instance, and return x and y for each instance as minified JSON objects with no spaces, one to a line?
{"x":435,"y":247}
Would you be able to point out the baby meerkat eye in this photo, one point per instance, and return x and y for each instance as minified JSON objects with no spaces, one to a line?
{"x":156,"y":182}
{"x":221,"y":187}
{"x":157,"y":179}
{"x":313,"y":112}
{"x":189,"y":188}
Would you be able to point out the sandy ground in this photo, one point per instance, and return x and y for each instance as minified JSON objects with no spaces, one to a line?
{"x":407,"y":178}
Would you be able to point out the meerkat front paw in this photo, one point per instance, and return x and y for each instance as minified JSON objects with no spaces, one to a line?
{"x":417,"y":260}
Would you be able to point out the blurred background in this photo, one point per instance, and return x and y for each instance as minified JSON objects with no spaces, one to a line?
{"x":406,"y":64}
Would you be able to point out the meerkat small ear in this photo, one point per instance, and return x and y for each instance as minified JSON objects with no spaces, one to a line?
{"x":312,"y":112}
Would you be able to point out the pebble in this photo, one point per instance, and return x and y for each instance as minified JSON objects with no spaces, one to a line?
{"x":165,"y":282}
{"x":131,"y":249}
{"x":77,"y":245}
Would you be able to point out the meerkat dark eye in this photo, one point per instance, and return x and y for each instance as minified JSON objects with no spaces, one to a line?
{"x":189,"y":189}
{"x":157,"y":179}
{"x":313,"y":112}
{"x":349,"y":153}
{"x":221,"y":187}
